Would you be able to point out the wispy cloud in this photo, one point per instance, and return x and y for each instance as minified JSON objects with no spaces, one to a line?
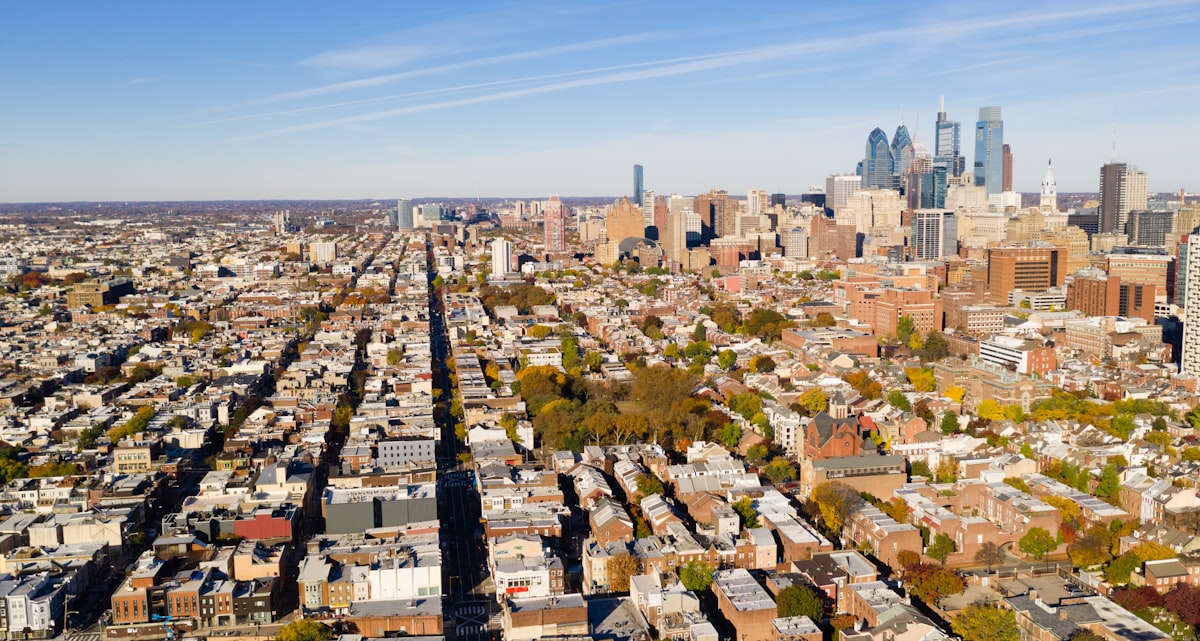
{"x":146,"y":80}
{"x":373,"y":57}
{"x":942,"y":31}
{"x":981,"y":65}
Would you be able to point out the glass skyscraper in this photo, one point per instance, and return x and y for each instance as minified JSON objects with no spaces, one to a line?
{"x":878,"y":167}
{"x":947,"y":151}
{"x":989,"y":150}
{"x":902,"y":152}
{"x":637,"y":185}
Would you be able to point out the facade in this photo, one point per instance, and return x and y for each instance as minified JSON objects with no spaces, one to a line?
{"x":501,"y":258}
{"x":1007,"y":172}
{"x":1030,"y":269}
{"x":626,"y":220}
{"x":902,"y":152}
{"x":934,"y":234}
{"x":947,"y":151}
{"x":878,"y":166}
{"x":638,"y":185}
{"x":1122,"y":190}
{"x":839,"y":187}
{"x":324,"y":252}
{"x":1149,"y":228}
{"x":404,"y":213}
{"x":1191,"y":320}
{"x":1022,"y":356}
{"x":554,"y":226}
{"x":989,"y":150}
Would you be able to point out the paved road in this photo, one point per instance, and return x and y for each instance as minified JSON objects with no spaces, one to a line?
{"x":469,"y":606}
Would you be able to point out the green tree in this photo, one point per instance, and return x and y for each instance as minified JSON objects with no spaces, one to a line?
{"x":779,"y":470}
{"x":762,"y":364}
{"x":731,"y":434}
{"x":304,"y":630}
{"x":757,"y":454}
{"x":940,"y":548}
{"x":1027,"y":450}
{"x":986,"y":623}
{"x":1110,"y":483}
{"x":800,"y":600}
{"x":898,"y":400}
{"x":745,"y":509}
{"x":747,"y":404}
{"x":727,"y":359}
{"x":1037,"y":543}
{"x":700,"y":333}
{"x":904,"y":328}
{"x":696,"y":575}
{"x":949,"y":423}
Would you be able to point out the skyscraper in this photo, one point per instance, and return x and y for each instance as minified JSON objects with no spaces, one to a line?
{"x":934,"y":234}
{"x":1049,"y":200}
{"x":839,"y":187}
{"x":947,"y":152}
{"x":879,"y":165}
{"x":501,"y":258}
{"x":554,"y":226}
{"x":404,"y":213}
{"x":637,"y":185}
{"x":1006,"y":154}
{"x":1122,"y":190}
{"x":1191,"y":318}
{"x":625,"y":221}
{"x":989,"y":150}
{"x":902,"y":153}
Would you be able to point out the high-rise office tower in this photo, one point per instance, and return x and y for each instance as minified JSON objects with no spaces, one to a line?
{"x":625,"y":221}
{"x":947,"y":151}
{"x":1031,"y":268}
{"x":1149,"y":228}
{"x":989,"y":150}
{"x":501,"y":258}
{"x":1191,"y":319}
{"x":648,"y":207}
{"x":1122,"y":190}
{"x":878,"y":167}
{"x":934,"y":234}
{"x":674,"y":237}
{"x":902,"y":153}
{"x":839,"y":187}
{"x":1006,"y":154}
{"x":781,"y":198}
{"x":554,"y":226}
{"x":637,"y":185}
{"x":283,"y":221}
{"x":1049,"y":200}
{"x":404,"y":213}
{"x":757,"y":201}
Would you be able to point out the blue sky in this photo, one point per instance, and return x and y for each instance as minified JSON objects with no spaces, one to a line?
{"x":216,"y":100}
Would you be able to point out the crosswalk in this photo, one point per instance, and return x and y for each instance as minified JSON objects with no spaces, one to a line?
{"x":471,"y":629}
{"x":84,"y":636}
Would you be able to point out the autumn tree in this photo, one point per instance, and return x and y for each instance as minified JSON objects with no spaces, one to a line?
{"x":727,"y":359}
{"x":779,"y":470}
{"x":757,"y":454}
{"x":1091,"y":549}
{"x":648,"y":484}
{"x":932,"y":582}
{"x":814,"y":400}
{"x":1184,"y":600}
{"x":745,"y":510}
{"x":986,"y":623}
{"x":731,"y":434}
{"x":304,"y":630}
{"x":620,"y":569}
{"x":837,"y":502}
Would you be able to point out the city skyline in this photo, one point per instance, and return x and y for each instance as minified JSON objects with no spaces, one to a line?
{"x":255,"y":102}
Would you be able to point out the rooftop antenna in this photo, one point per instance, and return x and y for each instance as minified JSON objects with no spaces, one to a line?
{"x":1114,"y":144}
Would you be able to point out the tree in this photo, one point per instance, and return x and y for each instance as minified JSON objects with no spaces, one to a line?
{"x":1084,"y":635}
{"x":843,"y":622}
{"x":949,"y":423}
{"x":1184,"y":601}
{"x":800,"y":600}
{"x":922,"y":378}
{"x":814,"y":400}
{"x":897,"y":508}
{"x":648,"y":484}
{"x":1091,"y":549}
{"x":1037,"y":543}
{"x":745,"y":509}
{"x":905,"y":558}
{"x":700,"y":333}
{"x":989,"y":554}
{"x":940,"y":548}
{"x":727,"y":359}
{"x":1110,"y":483}
{"x":757,"y":454}
{"x":747,"y":404}
{"x":731,"y":434}
{"x":762,"y":364}
{"x":932,"y":582}
{"x":904,"y":328}
{"x":696,"y":575}
{"x":538,"y":331}
{"x":620,"y":569}
{"x":837,"y":502}
{"x":1139,"y":598}
{"x":986,"y":623}
{"x":779,"y":470}
{"x":955,"y":393}
{"x":824,"y":319}
{"x":990,"y":410}
{"x":304,"y":630}
{"x":898,"y":400}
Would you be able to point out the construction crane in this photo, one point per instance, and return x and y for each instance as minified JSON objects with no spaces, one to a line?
{"x":166,"y":624}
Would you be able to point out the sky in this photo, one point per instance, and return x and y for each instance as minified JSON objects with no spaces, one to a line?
{"x":312,"y":100}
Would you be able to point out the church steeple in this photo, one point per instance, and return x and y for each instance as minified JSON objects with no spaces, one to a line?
{"x":1049,"y":199}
